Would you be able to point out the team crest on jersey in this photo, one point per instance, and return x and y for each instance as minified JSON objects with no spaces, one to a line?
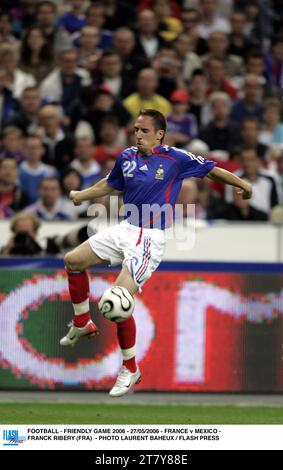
{"x":159,"y":173}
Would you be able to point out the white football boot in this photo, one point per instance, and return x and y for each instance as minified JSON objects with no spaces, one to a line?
{"x":75,"y":333}
{"x":125,"y":381}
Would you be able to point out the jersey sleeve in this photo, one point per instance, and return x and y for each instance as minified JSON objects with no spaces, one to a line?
{"x":193,"y":165}
{"x":116,"y":178}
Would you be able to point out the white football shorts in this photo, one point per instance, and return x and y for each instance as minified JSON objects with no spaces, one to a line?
{"x":139,"y":248}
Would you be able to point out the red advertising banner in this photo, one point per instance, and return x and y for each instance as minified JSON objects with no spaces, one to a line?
{"x":195,"y":332}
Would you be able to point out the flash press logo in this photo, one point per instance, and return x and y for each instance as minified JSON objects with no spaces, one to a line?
{"x":11,"y":437}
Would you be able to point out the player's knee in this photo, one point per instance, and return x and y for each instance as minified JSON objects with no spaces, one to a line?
{"x":71,"y":262}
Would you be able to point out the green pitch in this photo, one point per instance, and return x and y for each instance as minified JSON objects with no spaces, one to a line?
{"x":49,"y":413}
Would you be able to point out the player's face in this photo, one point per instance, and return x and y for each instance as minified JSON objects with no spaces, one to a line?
{"x":147,"y":137}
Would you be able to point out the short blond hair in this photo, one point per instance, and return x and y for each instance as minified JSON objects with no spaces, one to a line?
{"x":22,"y":216}
{"x":219,"y":96}
{"x":9,"y":49}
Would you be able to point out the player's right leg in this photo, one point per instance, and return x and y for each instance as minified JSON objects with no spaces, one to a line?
{"x":143,"y":250}
{"x":76,"y":262}
{"x":129,"y":374}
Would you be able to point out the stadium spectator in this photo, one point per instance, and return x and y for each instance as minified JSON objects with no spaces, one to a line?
{"x":95,"y":16}
{"x":109,"y":147}
{"x":56,"y":37}
{"x":23,"y":241}
{"x":12,"y":143}
{"x":198,"y":97}
{"x":274,"y":63}
{"x":276,"y":215}
{"x":7,"y":103}
{"x":107,"y":166}
{"x":6,"y":30}
{"x":148,"y":39}
{"x":32,"y":171}
{"x":50,"y":205}
{"x":274,"y":160}
{"x":254,"y":64}
{"x":250,"y":131}
{"x":118,"y":13}
{"x":65,"y":83}
{"x":238,"y":41}
{"x":89,"y":169}
{"x":221,"y":133}
{"x":276,"y":9}
{"x":74,"y":19}
{"x":26,"y":117}
{"x":182,"y":125}
{"x":266,"y":185}
{"x":169,"y":25}
{"x":238,"y":210}
{"x":210,"y":20}
{"x":88,"y":52}
{"x":12,"y":77}
{"x":24,"y":13}
{"x":106,"y":200}
{"x":58,"y":144}
{"x":257,"y":22}
{"x":251,"y":102}
{"x":12,"y":199}
{"x":110,"y":73}
{"x":146,"y":96}
{"x":198,"y":147}
{"x":216,"y":77}
{"x":218,"y":44}
{"x":60,"y":243}
{"x":71,"y":180}
{"x":103,"y":104}
{"x":124,"y":43}
{"x":271,"y":133}
{"x":169,"y":71}
{"x":190,"y":20}
{"x":189,"y":198}
{"x":174,"y":6}
{"x":35,"y":56}
{"x":189,"y":59}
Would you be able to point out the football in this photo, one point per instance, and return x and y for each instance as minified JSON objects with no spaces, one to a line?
{"x":116,"y":304}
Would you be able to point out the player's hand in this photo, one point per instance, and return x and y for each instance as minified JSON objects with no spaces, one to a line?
{"x":246,"y":192}
{"x":75,"y":197}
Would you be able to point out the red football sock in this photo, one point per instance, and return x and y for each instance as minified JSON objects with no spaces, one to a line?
{"x":79,"y":293}
{"x":126,"y":332}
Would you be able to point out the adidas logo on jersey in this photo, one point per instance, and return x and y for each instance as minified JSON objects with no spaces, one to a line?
{"x":144,"y":168}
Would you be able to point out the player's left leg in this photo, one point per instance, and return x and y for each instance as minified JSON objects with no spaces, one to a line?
{"x":76,"y":263}
{"x":129,"y":374}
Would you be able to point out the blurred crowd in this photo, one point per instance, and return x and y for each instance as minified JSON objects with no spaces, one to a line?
{"x":74,"y":75}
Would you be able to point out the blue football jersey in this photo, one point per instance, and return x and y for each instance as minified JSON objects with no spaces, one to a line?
{"x":151,"y":183}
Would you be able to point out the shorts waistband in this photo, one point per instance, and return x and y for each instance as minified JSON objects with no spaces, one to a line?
{"x":136,"y":228}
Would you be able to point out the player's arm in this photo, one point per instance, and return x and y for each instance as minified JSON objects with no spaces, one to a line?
{"x":101,"y":188}
{"x":226,"y":177}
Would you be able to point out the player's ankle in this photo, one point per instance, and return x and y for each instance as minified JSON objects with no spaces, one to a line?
{"x":130,"y":364}
{"x":81,"y":320}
